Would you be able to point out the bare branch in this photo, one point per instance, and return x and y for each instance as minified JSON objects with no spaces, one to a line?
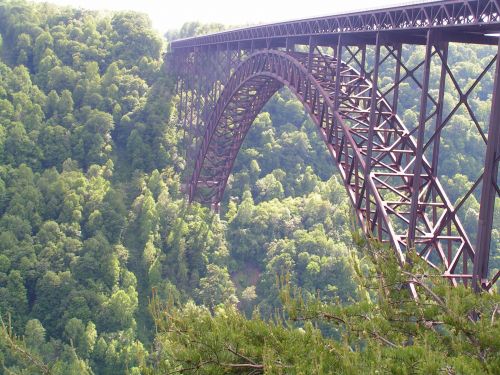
{"x":494,"y":314}
{"x":239,"y":355}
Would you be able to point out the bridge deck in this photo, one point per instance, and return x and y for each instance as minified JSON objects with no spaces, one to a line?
{"x":468,"y":21}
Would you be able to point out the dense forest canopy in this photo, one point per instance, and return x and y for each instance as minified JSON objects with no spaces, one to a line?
{"x":94,"y":226}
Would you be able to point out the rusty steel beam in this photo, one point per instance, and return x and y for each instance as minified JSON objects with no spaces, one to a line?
{"x":371,"y":130}
{"x":417,"y":170}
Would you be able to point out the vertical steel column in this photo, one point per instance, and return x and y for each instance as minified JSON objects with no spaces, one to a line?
{"x":185,"y":79}
{"x":212,"y":77}
{"x":363,"y":60}
{"x":397,"y":77}
{"x":180,"y":89}
{"x":417,"y":170}
{"x":198,"y":74}
{"x":488,"y":191}
{"x":218,"y":53}
{"x":212,"y":80}
{"x":239,"y":53}
{"x":338,"y":57}
{"x":312,"y":46}
{"x":180,"y":116}
{"x":228,"y":62}
{"x":310,"y":57}
{"x":177,"y":76}
{"x":439,"y":120}
{"x":191,"y":84}
{"x":371,"y":129}
{"x":338,"y":68}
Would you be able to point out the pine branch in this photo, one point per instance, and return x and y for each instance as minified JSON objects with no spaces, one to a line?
{"x":183,"y":370}
{"x":242,"y":365}
{"x":240,"y":355}
{"x":384,"y":340}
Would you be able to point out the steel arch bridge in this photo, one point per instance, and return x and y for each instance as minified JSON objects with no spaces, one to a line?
{"x":332,"y":64}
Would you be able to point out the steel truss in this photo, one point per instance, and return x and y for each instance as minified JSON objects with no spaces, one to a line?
{"x":444,"y":15}
{"x":389,"y":170}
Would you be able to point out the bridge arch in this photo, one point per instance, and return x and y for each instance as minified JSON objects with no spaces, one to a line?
{"x":373,"y":150}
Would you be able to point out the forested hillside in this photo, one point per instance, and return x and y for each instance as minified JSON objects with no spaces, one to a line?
{"x":93,"y":223}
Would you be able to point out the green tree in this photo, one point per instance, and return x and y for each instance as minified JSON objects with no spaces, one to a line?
{"x":55,"y":145}
{"x":14,"y":299}
{"x":216,"y":287}
{"x":80,"y":337}
{"x":118,"y":312}
{"x":34,"y":334}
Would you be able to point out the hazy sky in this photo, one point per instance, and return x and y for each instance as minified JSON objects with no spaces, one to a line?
{"x":170,"y":14}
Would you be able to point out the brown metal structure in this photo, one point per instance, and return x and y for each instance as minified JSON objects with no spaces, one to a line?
{"x":332,"y":65}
